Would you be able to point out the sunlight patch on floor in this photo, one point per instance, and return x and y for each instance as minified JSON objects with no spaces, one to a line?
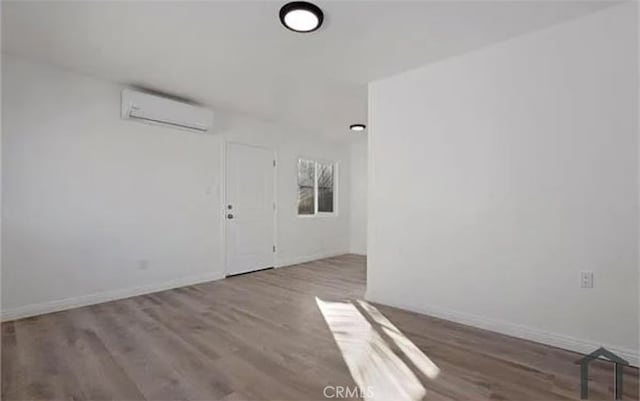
{"x":376,"y":369}
{"x":417,"y":357}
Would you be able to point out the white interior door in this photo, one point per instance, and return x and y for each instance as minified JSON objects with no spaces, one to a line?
{"x":249,"y":209}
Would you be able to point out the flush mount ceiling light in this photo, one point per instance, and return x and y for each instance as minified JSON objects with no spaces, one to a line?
{"x":357,"y":127}
{"x":300,"y":16}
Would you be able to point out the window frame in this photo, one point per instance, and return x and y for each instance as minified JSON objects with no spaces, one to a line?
{"x":316,"y":161}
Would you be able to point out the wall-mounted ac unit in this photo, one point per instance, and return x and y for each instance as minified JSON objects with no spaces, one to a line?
{"x":153,"y":109}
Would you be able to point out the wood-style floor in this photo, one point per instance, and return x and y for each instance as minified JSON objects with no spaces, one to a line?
{"x":262,"y":336}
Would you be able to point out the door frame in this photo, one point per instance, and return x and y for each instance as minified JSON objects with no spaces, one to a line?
{"x":223,"y":201}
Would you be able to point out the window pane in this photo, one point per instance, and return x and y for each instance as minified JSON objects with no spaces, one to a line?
{"x":325,"y":188}
{"x":306,"y":172}
{"x":325,"y":200}
{"x":305,"y":200}
{"x":306,"y":181}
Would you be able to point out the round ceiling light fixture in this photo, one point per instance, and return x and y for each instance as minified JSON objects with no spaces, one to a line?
{"x":300,"y":16}
{"x":357,"y":127}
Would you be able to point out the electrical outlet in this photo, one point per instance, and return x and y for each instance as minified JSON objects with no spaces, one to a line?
{"x":586,"y":279}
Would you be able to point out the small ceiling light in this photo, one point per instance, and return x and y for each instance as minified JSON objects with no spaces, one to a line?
{"x":357,"y":127}
{"x":300,"y":16}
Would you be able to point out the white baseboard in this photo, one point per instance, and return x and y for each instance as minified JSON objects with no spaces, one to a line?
{"x":515,"y":330}
{"x":91,"y":299}
{"x":358,"y":251}
{"x":309,"y":258}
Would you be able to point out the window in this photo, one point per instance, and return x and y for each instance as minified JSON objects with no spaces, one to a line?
{"x":316,"y":187}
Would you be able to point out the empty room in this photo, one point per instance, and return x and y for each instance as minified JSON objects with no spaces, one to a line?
{"x":324,"y":200}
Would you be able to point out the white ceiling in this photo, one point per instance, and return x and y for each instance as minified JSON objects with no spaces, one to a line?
{"x":235,"y":55}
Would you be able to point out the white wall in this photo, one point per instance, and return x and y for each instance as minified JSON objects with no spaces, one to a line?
{"x":87,"y":196}
{"x":500,"y":175}
{"x":358,"y":186}
{"x":299,"y":239}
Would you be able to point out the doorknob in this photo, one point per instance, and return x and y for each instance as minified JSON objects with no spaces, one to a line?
{"x":229,"y":216}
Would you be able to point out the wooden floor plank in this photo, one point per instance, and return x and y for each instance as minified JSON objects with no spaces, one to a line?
{"x":262,"y":336}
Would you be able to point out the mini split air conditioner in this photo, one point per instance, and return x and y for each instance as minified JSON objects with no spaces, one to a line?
{"x":157,"y":110}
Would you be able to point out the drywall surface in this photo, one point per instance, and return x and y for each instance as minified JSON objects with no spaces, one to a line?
{"x":98,"y":208}
{"x":497,"y":177}
{"x":358,"y":209}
